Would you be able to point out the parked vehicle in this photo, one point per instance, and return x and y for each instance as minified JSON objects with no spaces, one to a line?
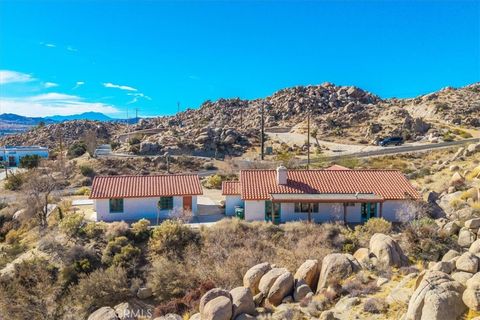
{"x":391,"y":140}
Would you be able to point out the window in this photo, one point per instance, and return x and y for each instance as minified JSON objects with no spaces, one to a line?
{"x":116,"y":205}
{"x":165,"y":203}
{"x":305,"y":207}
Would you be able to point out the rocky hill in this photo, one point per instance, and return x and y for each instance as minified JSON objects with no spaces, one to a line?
{"x":70,"y":131}
{"x":339,"y":113}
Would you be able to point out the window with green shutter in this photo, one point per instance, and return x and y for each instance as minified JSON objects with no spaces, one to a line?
{"x":166,"y":203}
{"x":116,"y":205}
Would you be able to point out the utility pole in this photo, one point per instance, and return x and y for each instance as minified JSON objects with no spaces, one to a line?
{"x":136,"y":114}
{"x":262,"y":137}
{"x":178,"y":106}
{"x":308,"y":140}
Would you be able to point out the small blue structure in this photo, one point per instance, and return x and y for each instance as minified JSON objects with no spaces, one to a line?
{"x":11,"y":155}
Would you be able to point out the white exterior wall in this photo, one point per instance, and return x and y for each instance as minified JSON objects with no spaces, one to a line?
{"x":19,"y":153}
{"x":326,"y":212}
{"x":393,"y":210}
{"x":254,"y":210}
{"x":398,"y":210}
{"x":138,"y":208}
{"x":231,"y":201}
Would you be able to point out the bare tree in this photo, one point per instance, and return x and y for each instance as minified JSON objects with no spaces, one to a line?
{"x":39,"y":188}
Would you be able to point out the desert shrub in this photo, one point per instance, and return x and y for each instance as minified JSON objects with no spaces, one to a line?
{"x":101,"y":288}
{"x":134,"y":141}
{"x":72,"y":224}
{"x":141,"y":229}
{"x":171,"y":279}
{"x":94,"y":229}
{"x":77,"y":149}
{"x":31,"y":292}
{"x":116,"y":229}
{"x":424,"y":241}
{"x":214,"y":181}
{"x":113,"y":247}
{"x":83,"y":191}
{"x":87,"y":171}
{"x":375,"y":305}
{"x":30,"y":161}
{"x":362,"y":233}
{"x":14,"y":181}
{"x":186,"y":303}
{"x":468,"y":194}
{"x":115,"y":145}
{"x":127,"y":258}
{"x":12,"y":236}
{"x":172,"y":238}
{"x":360,"y":284}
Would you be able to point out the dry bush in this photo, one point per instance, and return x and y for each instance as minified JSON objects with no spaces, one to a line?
{"x":171,"y":238}
{"x":360,"y":284}
{"x":116,"y":229}
{"x":375,"y":305}
{"x":31,"y":292}
{"x":100,"y":288}
{"x":423,"y":241}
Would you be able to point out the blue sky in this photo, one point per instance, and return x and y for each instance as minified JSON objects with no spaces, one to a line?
{"x":63,"y":57}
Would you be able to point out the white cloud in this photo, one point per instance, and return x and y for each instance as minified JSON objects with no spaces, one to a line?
{"x":50,"y":104}
{"x":70,"y":48}
{"x":7,"y":76}
{"x":117,"y":86}
{"x":50,"y":84}
{"x":53,"y":96}
{"x":49,"y":45}
{"x":78,"y":84}
{"x":136,"y":96}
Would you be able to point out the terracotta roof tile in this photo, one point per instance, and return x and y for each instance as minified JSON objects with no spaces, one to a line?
{"x":107,"y":187}
{"x":230,"y":188}
{"x":390,"y":184}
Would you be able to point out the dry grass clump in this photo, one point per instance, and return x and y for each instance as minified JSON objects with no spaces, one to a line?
{"x":375,"y":305}
{"x":360,"y":284}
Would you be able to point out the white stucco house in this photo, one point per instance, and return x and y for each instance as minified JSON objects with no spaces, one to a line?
{"x":11,"y":155}
{"x":335,"y":193}
{"x":154,"y":197}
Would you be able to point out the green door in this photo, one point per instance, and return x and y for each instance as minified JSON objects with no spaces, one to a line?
{"x":369,"y":210}
{"x":272,"y":211}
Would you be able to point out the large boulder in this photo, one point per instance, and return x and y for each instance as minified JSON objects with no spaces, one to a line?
{"x":362,"y":255}
{"x":462,"y":277}
{"x":334,"y":265}
{"x":466,"y":237}
{"x":104,"y":313}
{"x":212,"y":294}
{"x":467,"y":262}
{"x":308,"y":272}
{"x":450,"y":255}
{"x":472,"y":223}
{"x":252,"y":277}
{"x":471,"y":295}
{"x":444,"y":266}
{"x":219,"y":308}
{"x":266,"y":282}
{"x":437,"y":297}
{"x":242,"y":301}
{"x":387,"y":251}
{"x":282,"y":287}
{"x":457,"y":180}
{"x":301,"y":291}
{"x":475,"y":247}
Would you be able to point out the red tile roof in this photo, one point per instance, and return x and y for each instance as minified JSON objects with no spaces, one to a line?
{"x":390,"y":184}
{"x":230,"y":188}
{"x":108,"y":187}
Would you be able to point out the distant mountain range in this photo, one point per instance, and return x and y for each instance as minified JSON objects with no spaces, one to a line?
{"x":15,"y":119}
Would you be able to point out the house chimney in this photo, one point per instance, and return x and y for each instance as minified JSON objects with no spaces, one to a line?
{"x":282,"y":175}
